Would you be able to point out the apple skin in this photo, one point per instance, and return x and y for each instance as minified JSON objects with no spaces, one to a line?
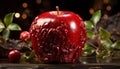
{"x":58,"y":38}
{"x":24,"y":35}
{"x":14,"y":56}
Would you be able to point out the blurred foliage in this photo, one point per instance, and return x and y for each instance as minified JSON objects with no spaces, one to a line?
{"x":104,"y":46}
{"x":7,"y":25}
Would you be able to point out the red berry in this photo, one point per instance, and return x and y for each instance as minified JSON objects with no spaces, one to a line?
{"x":14,"y":56}
{"x":58,"y":38}
{"x":24,"y":35}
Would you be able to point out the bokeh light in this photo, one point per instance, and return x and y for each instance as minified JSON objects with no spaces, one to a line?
{"x":108,"y":8}
{"x":24,"y":5}
{"x":38,"y":1}
{"x":24,"y":16}
{"x":91,"y":11}
{"x":106,"y":1}
{"x":17,"y":15}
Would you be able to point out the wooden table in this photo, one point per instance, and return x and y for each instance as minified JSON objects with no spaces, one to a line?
{"x":4,"y":64}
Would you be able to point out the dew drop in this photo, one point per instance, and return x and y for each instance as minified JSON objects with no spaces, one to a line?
{"x":82,"y":42}
{"x":71,"y":49}
{"x":40,"y":46}
{"x":30,"y":30}
{"x":45,"y":58}
{"x":35,"y":35}
{"x":38,"y":39}
{"x":57,"y":47}
{"x":49,"y":54}
{"x":64,"y":50}
{"x":32,"y":35}
{"x":79,"y":47}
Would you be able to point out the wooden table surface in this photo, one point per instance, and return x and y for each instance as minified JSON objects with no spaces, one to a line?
{"x":4,"y":64}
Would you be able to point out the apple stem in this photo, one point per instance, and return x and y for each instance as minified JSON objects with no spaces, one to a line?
{"x":57,"y":8}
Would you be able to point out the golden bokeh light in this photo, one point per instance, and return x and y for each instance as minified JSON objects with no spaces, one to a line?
{"x":91,"y":11}
{"x":17,"y":15}
{"x":38,"y":1}
{"x":24,"y":5}
{"x":108,"y":8}
{"x":24,"y":16}
{"x":106,"y":1}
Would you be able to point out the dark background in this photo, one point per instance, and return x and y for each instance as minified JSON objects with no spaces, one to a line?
{"x":36,"y":7}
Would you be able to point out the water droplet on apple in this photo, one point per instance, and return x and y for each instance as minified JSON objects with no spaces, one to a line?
{"x":45,"y":58}
{"x":32,"y":35}
{"x":41,"y":46}
{"x":36,"y":36}
{"x":49,"y":54}
{"x":70,"y":49}
{"x":38,"y":44}
{"x":79,"y":47}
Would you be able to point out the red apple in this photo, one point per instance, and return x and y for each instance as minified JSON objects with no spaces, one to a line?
{"x":24,"y":35}
{"x":58,"y":38}
{"x":14,"y":56}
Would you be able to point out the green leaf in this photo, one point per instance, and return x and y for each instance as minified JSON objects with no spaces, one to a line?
{"x":103,"y":54}
{"x":32,"y":55}
{"x":90,"y":34}
{"x":1,"y":26}
{"x":116,"y":45}
{"x":6,"y":34}
{"x":88,"y":24}
{"x":23,"y":58}
{"x":88,"y":50}
{"x":13,"y":26}
{"x":107,"y":44}
{"x":96,"y":17}
{"x":104,"y":34}
{"x":8,"y":18}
